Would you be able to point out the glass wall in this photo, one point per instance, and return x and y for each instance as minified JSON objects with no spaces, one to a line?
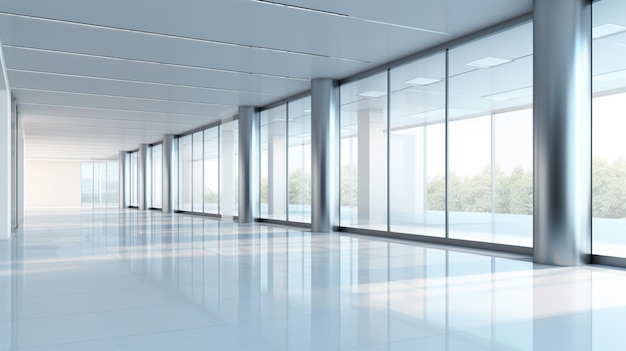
{"x":472,"y":138}
{"x":273,"y":163}
{"x":490,"y":140}
{"x":363,"y":156}
{"x":157,"y":176}
{"x":212,"y":170}
{"x":100,"y":184}
{"x":86,"y":185}
{"x":229,"y":169}
{"x":134,"y":185}
{"x":197,"y":152}
{"x":199,"y":171}
{"x":185,"y":173}
{"x":299,"y":160}
{"x":285,"y":144}
{"x":417,"y":154}
{"x":609,"y":123}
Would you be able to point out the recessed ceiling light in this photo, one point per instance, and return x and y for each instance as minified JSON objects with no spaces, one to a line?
{"x":488,"y":62}
{"x":511,"y":94}
{"x":605,"y":77}
{"x":307,"y":111}
{"x":438,"y":112}
{"x":422,"y":81}
{"x":605,"y":30}
{"x":372,"y":94}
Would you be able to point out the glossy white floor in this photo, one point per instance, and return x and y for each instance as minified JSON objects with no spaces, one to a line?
{"x":131,"y":280}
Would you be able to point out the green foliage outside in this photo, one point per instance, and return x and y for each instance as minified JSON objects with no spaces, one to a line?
{"x":609,"y":188}
{"x":513,"y":192}
{"x":299,"y":188}
{"x":349,"y":186}
{"x":211,"y":197}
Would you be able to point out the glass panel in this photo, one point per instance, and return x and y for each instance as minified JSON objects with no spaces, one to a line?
{"x":299,"y":161}
{"x":134,"y":179}
{"x":184,"y":173}
{"x":417,"y":157}
{"x":99,"y":185}
{"x":157,"y":176}
{"x":229,"y":169}
{"x":608,"y":146}
{"x":211,"y":170}
{"x":86,"y":185}
{"x":364,"y":153}
{"x":513,"y":149}
{"x":197,"y":186}
{"x":113,"y":184}
{"x":490,"y":152}
{"x":273,"y":168}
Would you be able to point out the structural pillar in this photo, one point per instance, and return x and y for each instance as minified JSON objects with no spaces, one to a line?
{"x":248,"y":164}
{"x":142,"y":174}
{"x":562,"y":131}
{"x":324,"y":155}
{"x":170,"y":174}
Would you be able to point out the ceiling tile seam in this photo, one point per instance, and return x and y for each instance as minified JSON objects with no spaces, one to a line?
{"x":180,"y":37}
{"x":119,"y":97}
{"x":173,"y":114}
{"x":26,"y":118}
{"x":158,"y":63}
{"x":136,"y":81}
{"x":347,"y":16}
{"x":51,"y":126}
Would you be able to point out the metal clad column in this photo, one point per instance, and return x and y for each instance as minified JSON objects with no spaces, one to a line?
{"x":324,"y":155}
{"x":170,"y":174}
{"x":248,"y":164}
{"x":562,"y":131}
{"x":122,"y":179}
{"x":142,"y":174}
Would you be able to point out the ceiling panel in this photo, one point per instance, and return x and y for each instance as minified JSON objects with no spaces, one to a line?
{"x":107,"y":76}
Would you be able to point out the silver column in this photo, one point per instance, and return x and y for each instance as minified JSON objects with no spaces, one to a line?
{"x":142,"y":174}
{"x":170,"y":174}
{"x":122,"y":179}
{"x":562,"y":131}
{"x":324,"y":155}
{"x":248,"y":164}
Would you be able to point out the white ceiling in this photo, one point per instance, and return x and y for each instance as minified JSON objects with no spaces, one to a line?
{"x":94,"y":78}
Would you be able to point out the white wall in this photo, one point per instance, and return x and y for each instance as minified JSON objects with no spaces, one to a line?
{"x":52,"y":184}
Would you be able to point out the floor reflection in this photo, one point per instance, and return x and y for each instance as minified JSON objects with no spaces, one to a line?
{"x":132,"y":280}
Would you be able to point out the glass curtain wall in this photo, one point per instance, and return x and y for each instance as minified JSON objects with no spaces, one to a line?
{"x":212,"y":170}
{"x":285,"y":182}
{"x":86,"y":185}
{"x":609,"y":123}
{"x":363,"y":148}
{"x":299,"y":160}
{"x":157,"y":176}
{"x":490,"y":147}
{"x":417,"y":144}
{"x":478,"y":144}
{"x":134,"y":185}
{"x":185,"y":173}
{"x":100,"y":184}
{"x":273,"y":163}
{"x":199,"y":171}
{"x":229,"y":169}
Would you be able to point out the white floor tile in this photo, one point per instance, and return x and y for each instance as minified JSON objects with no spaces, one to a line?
{"x":132,"y":280}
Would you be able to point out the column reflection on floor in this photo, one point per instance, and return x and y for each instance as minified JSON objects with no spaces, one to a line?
{"x":137,"y":280}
